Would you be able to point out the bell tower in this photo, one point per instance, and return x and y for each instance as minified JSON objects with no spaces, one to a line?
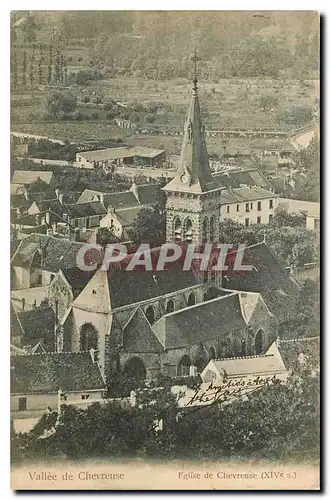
{"x":193,"y":198}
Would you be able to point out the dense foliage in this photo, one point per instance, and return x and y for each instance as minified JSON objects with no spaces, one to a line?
{"x":158,"y":44}
{"x":279,"y":421}
{"x":291,"y":242}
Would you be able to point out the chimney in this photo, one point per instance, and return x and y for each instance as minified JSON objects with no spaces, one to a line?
{"x":57,"y":193}
{"x":60,"y":198}
{"x":48,"y":217}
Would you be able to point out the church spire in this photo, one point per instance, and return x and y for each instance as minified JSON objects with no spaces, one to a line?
{"x":194,"y":173}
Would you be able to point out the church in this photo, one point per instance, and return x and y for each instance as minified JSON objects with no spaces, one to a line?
{"x":173,"y":321}
{"x":170,"y":322}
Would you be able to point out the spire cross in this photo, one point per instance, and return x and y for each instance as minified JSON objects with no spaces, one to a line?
{"x":195,"y":59}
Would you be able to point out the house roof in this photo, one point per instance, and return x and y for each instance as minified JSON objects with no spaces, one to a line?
{"x":268,"y":363}
{"x":298,"y":206}
{"x":19,"y":200}
{"x":126,"y":216}
{"x":138,"y":194}
{"x":146,"y":193}
{"x":200,"y":322}
{"x":77,"y":279}
{"x":47,"y":373}
{"x":241,"y":178}
{"x":123,"y":152}
{"x":56,"y":253}
{"x":37,"y":323}
{"x":27,"y":177}
{"x":244,"y":194}
{"x":87,"y":209}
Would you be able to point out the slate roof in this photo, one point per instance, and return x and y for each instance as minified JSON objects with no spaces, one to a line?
{"x":146,"y":193}
{"x":268,"y":277}
{"x":200,"y":322}
{"x":19,"y":200}
{"x":28,"y":177}
{"x":77,"y":279}
{"x":85,"y":209}
{"x":236,"y":178}
{"x":138,"y":335}
{"x":37,"y":323}
{"x":243,"y":194}
{"x":136,"y":286}
{"x":47,"y":373}
{"x":57,"y":253}
{"x":126,"y":216}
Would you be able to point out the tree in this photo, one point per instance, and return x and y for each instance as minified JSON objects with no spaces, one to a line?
{"x":57,"y":68}
{"x":105,"y":236}
{"x":24,"y":69}
{"x":50,"y":64}
{"x":29,"y":28}
{"x":14,"y":69}
{"x":297,"y":115}
{"x":61,"y":104}
{"x":149,"y":226}
{"x":31,"y":72}
{"x":268,"y":102}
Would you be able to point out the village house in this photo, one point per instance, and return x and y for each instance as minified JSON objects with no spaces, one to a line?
{"x":42,"y":382}
{"x":38,"y":259}
{"x":128,"y":155}
{"x":310,"y":209}
{"x":120,"y":222}
{"x":248,"y":205}
{"x":226,"y":379}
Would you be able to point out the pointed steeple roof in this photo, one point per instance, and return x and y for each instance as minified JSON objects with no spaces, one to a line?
{"x":194,"y":173}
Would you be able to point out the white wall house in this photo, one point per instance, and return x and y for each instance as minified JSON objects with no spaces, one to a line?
{"x":248,"y":206}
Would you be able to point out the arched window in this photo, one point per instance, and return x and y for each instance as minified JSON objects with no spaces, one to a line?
{"x":259,"y":342}
{"x":177,"y":230}
{"x":204,"y":230}
{"x":184,"y":366}
{"x":188,"y":231}
{"x":150,"y":314}
{"x":135,"y":369}
{"x":88,"y":337}
{"x":170,"y":306}
{"x":191,"y":299}
{"x":212,"y":353}
{"x":212,"y":227}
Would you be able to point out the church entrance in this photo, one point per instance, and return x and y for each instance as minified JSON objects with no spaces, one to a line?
{"x":135,"y":370}
{"x":184,"y":366}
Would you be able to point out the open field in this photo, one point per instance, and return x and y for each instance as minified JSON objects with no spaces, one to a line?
{"x":225,"y":104}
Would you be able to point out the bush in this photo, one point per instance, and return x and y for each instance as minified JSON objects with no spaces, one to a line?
{"x":94,"y":116}
{"x":150,"y":118}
